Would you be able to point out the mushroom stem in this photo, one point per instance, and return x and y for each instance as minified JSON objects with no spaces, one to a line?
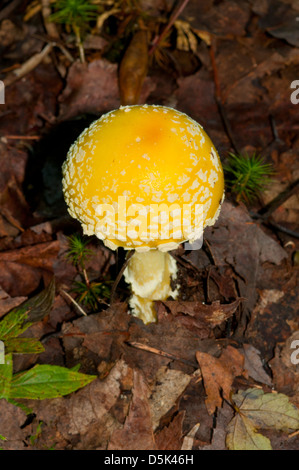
{"x":149,"y":274}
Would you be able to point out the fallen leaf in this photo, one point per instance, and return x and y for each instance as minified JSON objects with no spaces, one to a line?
{"x":170,"y":437}
{"x":21,"y":270}
{"x":87,"y":414}
{"x":224,"y":416}
{"x":253,"y":365}
{"x":189,"y":438}
{"x":83,"y":94}
{"x":47,"y":381}
{"x":285,"y":366}
{"x":170,"y":384}
{"x":242,"y":435}
{"x":281,"y":22}
{"x":7,"y":303}
{"x":12,"y":418}
{"x":257,"y":410}
{"x":251,"y":247}
{"x":202,"y":316}
{"x":218,"y":375}
{"x":137,"y":432}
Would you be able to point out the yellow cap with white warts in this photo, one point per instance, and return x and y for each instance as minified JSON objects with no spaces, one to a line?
{"x":144,"y":177}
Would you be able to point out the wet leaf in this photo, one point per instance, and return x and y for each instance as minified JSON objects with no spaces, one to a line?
{"x":258,"y":410}
{"x":47,"y":381}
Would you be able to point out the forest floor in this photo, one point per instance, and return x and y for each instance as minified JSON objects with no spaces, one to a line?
{"x":228,"y":339}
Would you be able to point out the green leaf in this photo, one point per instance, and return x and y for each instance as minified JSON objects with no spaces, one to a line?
{"x":47,"y":381}
{"x":40,"y":305}
{"x":258,"y":410}
{"x":14,"y":323}
{"x":6,"y":370}
{"x":242,"y":435}
{"x":268,"y":410}
{"x":24,"y":346}
{"x":35,"y":309}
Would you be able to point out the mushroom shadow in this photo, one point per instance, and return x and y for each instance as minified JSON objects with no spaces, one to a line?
{"x":42,"y":185}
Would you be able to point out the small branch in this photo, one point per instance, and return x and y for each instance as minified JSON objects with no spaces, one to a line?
{"x":74,"y":302}
{"x":21,"y":137}
{"x":159,"y":352}
{"x":282,"y":229}
{"x":218,"y":97}
{"x":79,"y":43}
{"x":269,"y":208}
{"x":49,"y":25}
{"x":119,"y":276}
{"x":29,"y":65}
{"x":173,"y":18}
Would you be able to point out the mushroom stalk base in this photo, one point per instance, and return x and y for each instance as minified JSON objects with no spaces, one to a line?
{"x":150,"y":274}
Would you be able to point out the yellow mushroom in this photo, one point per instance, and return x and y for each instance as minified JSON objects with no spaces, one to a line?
{"x":145,"y":178}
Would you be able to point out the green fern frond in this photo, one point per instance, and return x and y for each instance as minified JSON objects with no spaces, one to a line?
{"x":247,"y":176}
{"x":74,"y":12}
{"x":78,"y":253}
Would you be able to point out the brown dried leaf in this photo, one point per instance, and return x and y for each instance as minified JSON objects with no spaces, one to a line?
{"x":171,"y":436}
{"x":284,"y":367}
{"x":253,"y":365}
{"x":91,"y":88}
{"x":137,"y":433}
{"x":219,"y":374}
{"x":7,"y":303}
{"x":11,"y":419}
{"x":170,"y":384}
{"x":202,"y":315}
{"x":224,"y":416}
{"x":88,"y":421}
{"x":21,"y":270}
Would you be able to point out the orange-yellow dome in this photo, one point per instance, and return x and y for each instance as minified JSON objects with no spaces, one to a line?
{"x":144,"y":177}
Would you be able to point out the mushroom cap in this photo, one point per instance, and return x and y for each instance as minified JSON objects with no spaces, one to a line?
{"x":143,"y":177}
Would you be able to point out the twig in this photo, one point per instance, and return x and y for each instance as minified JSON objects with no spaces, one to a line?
{"x":159,"y":352}
{"x":29,"y":65}
{"x":264,"y":213}
{"x":9,"y":217}
{"x":79,"y":43}
{"x":218,"y":97}
{"x":269,"y":208}
{"x":185,"y":263}
{"x":50,"y":26}
{"x":173,"y":18}
{"x":21,"y":137}
{"x":118,"y":278}
{"x":282,"y":229}
{"x":73,"y":301}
